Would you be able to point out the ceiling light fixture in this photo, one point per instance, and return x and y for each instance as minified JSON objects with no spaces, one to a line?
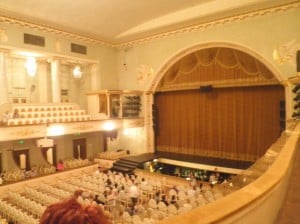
{"x":31,"y":66}
{"x":77,"y":73}
{"x":109,"y":126}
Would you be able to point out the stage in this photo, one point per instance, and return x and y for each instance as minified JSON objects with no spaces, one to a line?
{"x":131,"y":162}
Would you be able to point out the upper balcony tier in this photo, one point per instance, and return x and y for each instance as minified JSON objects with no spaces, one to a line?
{"x":26,"y":114}
{"x":107,"y":110}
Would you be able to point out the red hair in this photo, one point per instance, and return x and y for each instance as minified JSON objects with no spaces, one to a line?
{"x":72,"y":212}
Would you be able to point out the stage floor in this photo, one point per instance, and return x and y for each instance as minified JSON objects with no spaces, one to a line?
{"x":211,"y":161}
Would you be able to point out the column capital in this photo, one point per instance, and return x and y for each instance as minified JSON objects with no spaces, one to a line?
{"x":54,"y":59}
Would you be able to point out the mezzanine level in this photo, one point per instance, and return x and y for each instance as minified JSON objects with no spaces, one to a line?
{"x":40,"y":120}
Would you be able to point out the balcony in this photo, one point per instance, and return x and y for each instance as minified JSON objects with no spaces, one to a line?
{"x":114,"y":112}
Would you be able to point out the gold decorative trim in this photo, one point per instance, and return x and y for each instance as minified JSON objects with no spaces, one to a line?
{"x":226,"y":20}
{"x":83,"y":127}
{"x":23,"y":132}
{"x":162,"y":71}
{"x":47,"y":29}
{"x":220,"y":84}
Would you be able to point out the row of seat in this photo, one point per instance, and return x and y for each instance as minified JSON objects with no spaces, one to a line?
{"x":36,"y":108}
{"x":15,"y":214}
{"x":17,"y":175}
{"x":46,"y":120}
{"x":28,"y":205}
{"x":44,"y":114}
{"x":95,"y":183}
{"x":51,"y":113}
{"x":75,"y":163}
{"x":111,"y":155}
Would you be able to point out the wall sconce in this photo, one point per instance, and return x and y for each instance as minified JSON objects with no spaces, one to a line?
{"x":56,"y":130}
{"x":31,"y":66}
{"x":77,"y":73}
{"x":109,"y":126}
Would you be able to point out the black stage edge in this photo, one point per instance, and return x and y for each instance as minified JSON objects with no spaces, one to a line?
{"x":129,"y":163}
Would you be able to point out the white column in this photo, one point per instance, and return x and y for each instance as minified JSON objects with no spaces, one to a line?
{"x":22,"y":158}
{"x":3,"y":79}
{"x":78,"y":151}
{"x":50,"y":155}
{"x":150,"y":135}
{"x":55,"y":81}
{"x":43,"y":84}
{"x":94,"y":79}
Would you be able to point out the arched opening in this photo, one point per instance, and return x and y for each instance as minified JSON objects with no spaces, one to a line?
{"x":218,"y":102}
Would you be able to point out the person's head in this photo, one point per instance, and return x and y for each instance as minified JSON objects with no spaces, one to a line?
{"x":77,"y":193}
{"x":71,"y":211}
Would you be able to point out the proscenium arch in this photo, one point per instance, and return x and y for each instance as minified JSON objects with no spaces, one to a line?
{"x":167,"y":146}
{"x":184,"y":52}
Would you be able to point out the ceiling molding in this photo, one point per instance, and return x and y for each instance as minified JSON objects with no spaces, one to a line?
{"x":222,"y":21}
{"x":226,"y":20}
{"x":25,"y":24}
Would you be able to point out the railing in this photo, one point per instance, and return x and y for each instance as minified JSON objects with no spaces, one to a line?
{"x":256,"y":202}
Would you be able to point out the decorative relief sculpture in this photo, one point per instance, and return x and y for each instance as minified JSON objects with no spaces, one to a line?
{"x":286,"y":53}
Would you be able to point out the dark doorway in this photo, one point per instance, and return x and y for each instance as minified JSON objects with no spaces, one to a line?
{"x":79,"y":148}
{"x":25,"y":153}
{"x":45,"y":151}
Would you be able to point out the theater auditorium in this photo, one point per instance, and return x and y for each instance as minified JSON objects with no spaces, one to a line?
{"x":157,"y":112}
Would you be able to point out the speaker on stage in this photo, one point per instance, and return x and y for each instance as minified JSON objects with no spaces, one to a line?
{"x":205,"y":89}
{"x":155,"y":118}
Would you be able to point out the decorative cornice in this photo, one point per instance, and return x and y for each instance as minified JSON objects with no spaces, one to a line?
{"x":83,"y":127}
{"x":222,"y":21}
{"x":47,"y":29}
{"x":25,"y":132}
{"x":218,"y":84}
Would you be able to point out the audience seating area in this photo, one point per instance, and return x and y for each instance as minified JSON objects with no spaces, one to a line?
{"x":111,"y":155}
{"x":112,"y":189}
{"x":3,"y":220}
{"x":75,"y":163}
{"x":43,"y":114}
{"x":17,"y":175}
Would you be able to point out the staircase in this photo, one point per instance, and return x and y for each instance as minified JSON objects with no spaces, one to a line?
{"x":125,"y":166}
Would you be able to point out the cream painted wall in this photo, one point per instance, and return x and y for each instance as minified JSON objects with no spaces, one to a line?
{"x":103,"y":56}
{"x":259,"y":35}
{"x":36,"y":157}
{"x":64,"y":150}
{"x":119,"y":68}
{"x":132,"y":139}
